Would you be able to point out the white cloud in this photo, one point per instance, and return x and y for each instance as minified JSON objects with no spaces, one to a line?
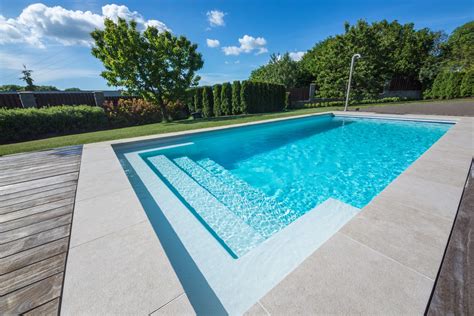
{"x":247,"y":44}
{"x":296,"y":56}
{"x":212,"y":42}
{"x":216,"y":18}
{"x":39,"y":24}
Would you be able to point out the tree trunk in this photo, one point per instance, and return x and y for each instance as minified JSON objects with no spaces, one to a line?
{"x":164,"y":112}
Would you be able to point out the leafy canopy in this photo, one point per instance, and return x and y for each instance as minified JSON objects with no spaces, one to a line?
{"x":156,"y":65}
{"x":388,"y":49}
{"x":281,"y":69}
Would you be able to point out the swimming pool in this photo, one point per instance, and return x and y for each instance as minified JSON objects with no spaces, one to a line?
{"x":259,"y":199}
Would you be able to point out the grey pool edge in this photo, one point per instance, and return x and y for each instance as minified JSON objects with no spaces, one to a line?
{"x":114,"y":244}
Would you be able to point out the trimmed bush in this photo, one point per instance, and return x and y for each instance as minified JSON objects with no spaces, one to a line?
{"x":198,"y":99}
{"x":216,"y":92}
{"x":259,"y":97}
{"x":448,"y":85}
{"x":236,"y":108}
{"x":129,"y":112}
{"x":244,"y":96}
{"x":177,"y":110}
{"x":189,"y":99}
{"x":467,"y":84}
{"x":226,"y":99}
{"x":453,"y":85}
{"x":25,"y":124}
{"x":207,"y":102}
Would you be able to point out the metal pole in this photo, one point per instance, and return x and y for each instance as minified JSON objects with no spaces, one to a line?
{"x":350,"y":78}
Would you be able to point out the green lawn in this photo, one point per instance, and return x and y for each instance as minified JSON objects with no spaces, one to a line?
{"x":150,"y":129}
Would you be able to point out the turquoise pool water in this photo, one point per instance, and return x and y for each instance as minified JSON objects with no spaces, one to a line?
{"x":246,"y":184}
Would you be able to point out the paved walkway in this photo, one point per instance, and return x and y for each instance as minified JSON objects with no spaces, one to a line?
{"x":37,"y":192}
{"x":464,"y":107}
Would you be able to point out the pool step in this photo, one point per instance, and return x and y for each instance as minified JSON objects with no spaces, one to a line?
{"x":234,"y":232}
{"x":267,"y":204}
{"x":254,"y":212}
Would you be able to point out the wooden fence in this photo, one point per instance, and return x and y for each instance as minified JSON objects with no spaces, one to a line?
{"x":299,"y":94}
{"x":12,"y":100}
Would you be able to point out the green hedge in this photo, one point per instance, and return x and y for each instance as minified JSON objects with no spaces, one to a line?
{"x":207,"y":102}
{"x":23,"y":124}
{"x":467,"y":84}
{"x":260,"y":97}
{"x":198,"y":99}
{"x":226,"y":99}
{"x":216,"y":92}
{"x":450,"y":85}
{"x":236,"y":109}
{"x":239,"y":97}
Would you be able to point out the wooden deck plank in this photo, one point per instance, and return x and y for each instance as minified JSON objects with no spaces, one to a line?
{"x":35,"y":218}
{"x":35,"y":164}
{"x":36,"y":175}
{"x":51,"y":308}
{"x":73,"y":164}
{"x":32,"y":273}
{"x":18,"y":187}
{"x":70,"y":150}
{"x":25,"y":231}
{"x":37,"y":193}
{"x":30,"y":194}
{"x":10,"y":212}
{"x":29,"y":297}
{"x":31,"y":198}
{"x":22,"y":259}
{"x":32,"y":241}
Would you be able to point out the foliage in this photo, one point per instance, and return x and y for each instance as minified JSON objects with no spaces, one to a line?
{"x":388,"y":49}
{"x":216,"y":91}
{"x":155,"y":65}
{"x":467,"y":84}
{"x":14,"y":87}
{"x":198,"y":99}
{"x":260,"y":97}
{"x":236,"y":108}
{"x":23,"y":124}
{"x":27,"y":78}
{"x":72,"y":89}
{"x":459,"y":49}
{"x":207,"y":102}
{"x":323,"y":103}
{"x":244,"y":96}
{"x":281,"y":69}
{"x":451,"y":84}
{"x":177,"y":110}
{"x":127,"y":112}
{"x":226,"y":99}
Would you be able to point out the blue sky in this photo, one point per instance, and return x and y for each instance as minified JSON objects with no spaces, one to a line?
{"x":50,"y":37}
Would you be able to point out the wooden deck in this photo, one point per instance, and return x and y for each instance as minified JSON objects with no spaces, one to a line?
{"x":37,"y":192}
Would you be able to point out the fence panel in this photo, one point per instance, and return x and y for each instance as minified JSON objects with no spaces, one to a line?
{"x":299,"y":94}
{"x":10,"y":100}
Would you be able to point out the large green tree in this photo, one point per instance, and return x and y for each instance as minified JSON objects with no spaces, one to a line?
{"x":281,"y":69}
{"x":459,"y":49}
{"x":389,"y":50}
{"x":156,"y":65}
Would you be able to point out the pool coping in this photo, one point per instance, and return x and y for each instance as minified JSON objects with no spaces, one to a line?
{"x":110,"y":224}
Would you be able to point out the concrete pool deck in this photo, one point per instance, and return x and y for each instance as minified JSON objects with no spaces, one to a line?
{"x":384,"y":260}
